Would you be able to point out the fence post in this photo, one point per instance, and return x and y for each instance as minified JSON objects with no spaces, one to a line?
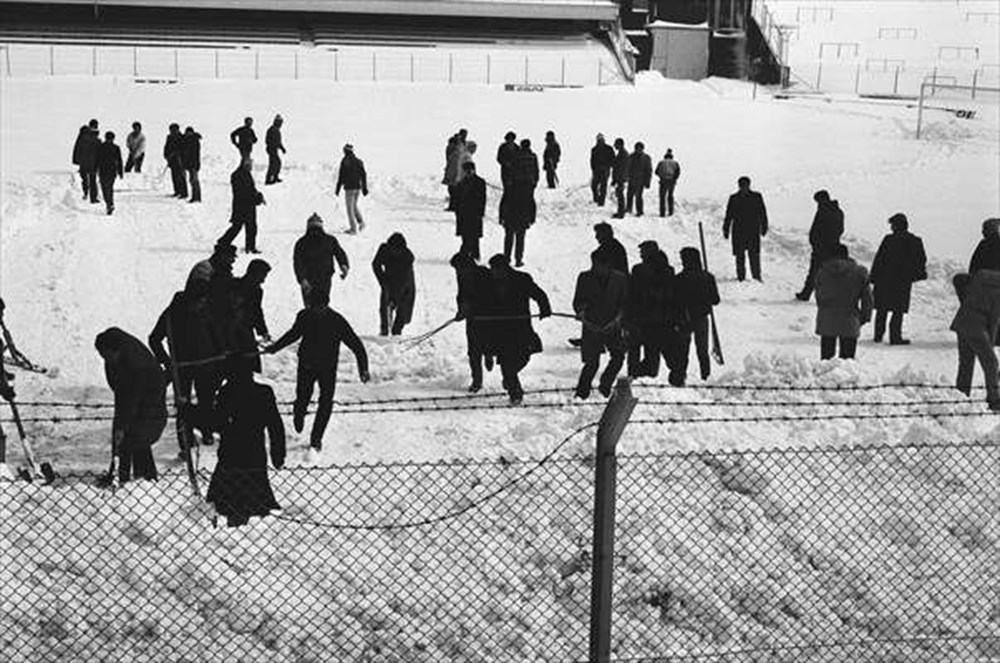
{"x":562,"y":77}
{"x":176,"y":65}
{"x":93,"y":60}
{"x":600,"y":69}
{"x":975,"y":80}
{"x":920,"y":108}
{"x":256,"y":65}
{"x":216,"y":62}
{"x":819,"y":74}
{"x":895,"y":82}
{"x":411,"y":67}
{"x":52,"y":60}
{"x":934,"y":85}
{"x":135,"y":61}
{"x":525,"y":69}
{"x":336,"y":65}
{"x":6,"y":53}
{"x":857,"y":79}
{"x":489,"y":66}
{"x":296,"y":65}
{"x":374,"y":77}
{"x":609,"y":430}
{"x":451,"y":67}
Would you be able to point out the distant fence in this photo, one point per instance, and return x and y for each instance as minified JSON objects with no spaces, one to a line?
{"x":855,"y":553}
{"x":891,"y":77}
{"x":354,"y":64}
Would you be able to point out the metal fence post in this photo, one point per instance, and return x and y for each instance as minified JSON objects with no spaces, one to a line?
{"x":411,"y":67}
{"x":857,"y":79}
{"x":920,"y":108}
{"x":93,"y":60}
{"x":975,"y":80}
{"x":934,"y":85}
{"x":562,"y":77}
{"x":600,"y":69}
{"x":176,"y":64}
{"x":895,"y":81}
{"x":296,"y":65}
{"x":609,"y":430}
{"x":488,"y":67}
{"x":6,"y":53}
{"x":52,"y":60}
{"x":216,"y":62}
{"x":135,"y":60}
{"x":819,"y":74}
{"x":451,"y":67}
{"x":336,"y":65}
{"x":374,"y":77}
{"x":525,"y":69}
{"x":256,"y":65}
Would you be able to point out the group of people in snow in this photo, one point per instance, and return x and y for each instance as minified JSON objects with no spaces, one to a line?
{"x":630,"y":174}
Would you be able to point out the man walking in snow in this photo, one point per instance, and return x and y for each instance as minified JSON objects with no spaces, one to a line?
{"x":315,"y":258}
{"x":470,"y":209}
{"x":746,"y":219}
{"x":173,"y":151}
{"x":321,"y":330}
{"x":654,"y":316}
{"x":249,"y":324}
{"x":843,"y":304}
{"x":976,"y":324}
{"x":899,"y":263}
{"x":244,"y":138}
{"x":506,"y":155}
{"x":274,"y":145}
{"x":393,"y":268}
{"x":668,"y":171}
{"x":136,"y":144}
{"x":550,"y":159}
{"x":640,"y":175}
{"x":473,"y":299}
{"x":610,"y":246}
{"x":352,"y":177}
{"x":521,"y":207}
{"x":599,"y":303}
{"x":191,"y":157}
{"x":85,"y":157}
{"x":109,"y":167}
{"x":246,"y":198}
{"x":824,"y":237}
{"x":602,"y":156}
{"x":697,"y":293}
{"x":620,"y":169}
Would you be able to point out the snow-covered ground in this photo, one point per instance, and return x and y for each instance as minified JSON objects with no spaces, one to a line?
{"x":68,"y":271}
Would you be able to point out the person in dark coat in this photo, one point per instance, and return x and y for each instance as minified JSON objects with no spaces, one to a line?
{"x":610,"y":246}
{"x":275,"y":148}
{"x":602,"y":156}
{"x":471,"y":207}
{"x":321,"y":330}
{"x":843,"y":304}
{"x":521,"y":207}
{"x":473,"y":300}
{"x":987,"y":253}
{"x":640,"y":175}
{"x":85,"y":158}
{"x":599,"y":303}
{"x":240,"y":487}
{"x":668,"y":171}
{"x":109,"y":168}
{"x":315,"y":258}
{"x":506,"y":156}
{"x":655,"y":319}
{"x":220,"y":262}
{"x":246,"y":198}
{"x":173,"y":152}
{"x":899,"y":263}
{"x":140,"y":402}
{"x":620,"y":169}
{"x":746,"y":219}
{"x":136,"y":144}
{"x":352,"y":177}
{"x":550,"y":159}
{"x":697,"y":292}
{"x":824,"y":236}
{"x":249,"y":324}
{"x":976,"y":324}
{"x":192,"y":337}
{"x":191,"y":157}
{"x":244,"y":138}
{"x":393,"y":267}
{"x":451,"y":164}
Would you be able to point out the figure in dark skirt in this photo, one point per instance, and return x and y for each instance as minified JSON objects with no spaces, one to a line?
{"x":240,"y":487}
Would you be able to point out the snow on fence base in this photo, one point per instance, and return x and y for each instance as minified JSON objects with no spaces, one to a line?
{"x":882,"y":553}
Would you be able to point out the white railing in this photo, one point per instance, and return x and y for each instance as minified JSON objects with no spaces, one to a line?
{"x":774,"y":33}
{"x":892,"y":77}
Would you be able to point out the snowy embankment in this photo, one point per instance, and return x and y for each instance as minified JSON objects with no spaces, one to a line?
{"x":716,"y":553}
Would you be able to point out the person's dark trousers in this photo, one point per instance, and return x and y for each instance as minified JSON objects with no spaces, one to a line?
{"x":815,"y":260}
{"x":644,"y":352}
{"x":307,"y":378}
{"x":741,"y":269}
{"x":136,"y":460}
{"x":550,"y":178}
{"x":273,"y":167}
{"x":452,"y":191}
{"x":510,"y":368}
{"x":599,"y":186}
{"x":972,"y":347}
{"x":620,"y":199}
{"x":699,"y":332}
{"x":134,"y":162}
{"x":667,"y":197}
{"x":90,"y":184}
{"x":108,"y":191}
{"x":895,"y":325}
{"x":589,"y":370}
{"x":319,"y":290}
{"x":514,"y":239}
{"x":84,"y":183}
{"x":476,"y":368}
{"x":195,"y":185}
{"x":828,"y":347}
{"x":388,"y":321}
{"x":470,"y":246}
{"x":250,"y":237}
{"x":180,"y":184}
{"x":634,"y":196}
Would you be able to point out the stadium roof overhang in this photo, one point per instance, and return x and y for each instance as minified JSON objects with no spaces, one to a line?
{"x":587,"y":10}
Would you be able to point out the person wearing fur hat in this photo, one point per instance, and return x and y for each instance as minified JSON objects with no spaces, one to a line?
{"x":273,"y":145}
{"x":352,"y":178}
{"x":316,"y":256}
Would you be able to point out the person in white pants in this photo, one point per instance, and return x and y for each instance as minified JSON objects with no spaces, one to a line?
{"x":354,"y":180}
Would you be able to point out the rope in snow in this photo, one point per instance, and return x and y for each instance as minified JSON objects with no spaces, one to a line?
{"x":432,"y":520}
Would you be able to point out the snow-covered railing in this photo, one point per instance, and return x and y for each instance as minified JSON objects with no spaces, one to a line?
{"x":774,"y":32}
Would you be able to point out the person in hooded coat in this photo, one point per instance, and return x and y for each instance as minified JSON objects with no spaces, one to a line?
{"x":697,"y":292}
{"x":240,"y":487}
{"x":109,"y":168}
{"x":140,"y":402}
{"x":976,"y":324}
{"x":987,"y":253}
{"x":173,"y":152}
{"x":471,"y":207}
{"x":521,"y":206}
{"x":473,"y":300}
{"x":85,"y":158}
{"x":317,"y":255}
{"x":246,"y":198}
{"x":393,"y":267}
{"x":843,"y":304}
{"x":746,"y":219}
{"x":602,"y":156}
{"x":599,"y":303}
{"x":550,"y":159}
{"x":899,"y":263}
{"x":191,"y":157}
{"x":824,"y":236}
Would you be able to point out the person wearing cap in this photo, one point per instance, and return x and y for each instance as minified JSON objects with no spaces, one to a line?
{"x":173,"y":153}
{"x":697,"y":293}
{"x":315,"y":258}
{"x":668,"y":171}
{"x":136,"y":144}
{"x":470,"y":210}
{"x":244,"y":138}
{"x":506,"y":156}
{"x":599,"y":303}
{"x":246,"y":198}
{"x":899,"y":262}
{"x":550,"y":159}
{"x":987,"y":253}
{"x":601,"y":157}
{"x":746,"y":220}
{"x":620,"y":169}
{"x":109,"y":168}
{"x":352,"y":178}
{"x":824,"y":236}
{"x":640,"y":175}
{"x":273,"y":145}
{"x":191,"y":157}
{"x":393,"y":268}
{"x":843,"y":304}
{"x":220,"y":262}
{"x":85,"y":158}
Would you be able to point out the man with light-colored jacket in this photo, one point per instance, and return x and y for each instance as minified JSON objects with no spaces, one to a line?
{"x":976,"y":325}
{"x":843,"y":304}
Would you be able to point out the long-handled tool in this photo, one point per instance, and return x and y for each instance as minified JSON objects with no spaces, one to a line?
{"x":716,"y":344}
{"x":33,"y":470}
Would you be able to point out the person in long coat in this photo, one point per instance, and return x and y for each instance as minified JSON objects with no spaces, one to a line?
{"x":109,"y":168}
{"x":601,"y":157}
{"x":173,"y":153}
{"x":654,"y":316}
{"x":393,"y":268}
{"x":473,"y":300}
{"x":240,"y":486}
{"x":746,"y":220}
{"x":246,"y":198}
{"x":140,"y":402}
{"x":640,"y":175}
{"x":599,"y":303}
{"x":191,"y":157}
{"x":470,"y":209}
{"x":698,"y":293}
{"x":315,"y":258}
{"x":843,"y":304}
{"x":987,"y":253}
{"x":511,"y":293}
{"x":899,"y":263}
{"x":550,"y":159}
{"x":275,"y":148}
{"x":976,"y":323}
{"x":521,"y":208}
{"x":451,"y":165}
{"x":620,"y":168}
{"x":506,"y":156}
{"x":824,"y":236}
{"x":85,"y":158}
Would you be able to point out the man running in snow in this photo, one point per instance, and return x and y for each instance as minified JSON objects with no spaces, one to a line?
{"x":321,"y":330}
{"x":352,"y":177}
{"x":315,"y":258}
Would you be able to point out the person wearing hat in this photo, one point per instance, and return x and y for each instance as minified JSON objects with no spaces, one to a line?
{"x":244,"y":138}
{"x":506,"y":156}
{"x":550,"y":159}
{"x":353,"y":179}
{"x":668,"y":171}
{"x":173,"y":153}
{"x":246,"y":198}
{"x":608,"y":244}
{"x":599,"y":304}
{"x":746,"y":219}
{"x":620,"y":169}
{"x":521,"y":209}
{"x":899,"y":263}
{"x":473,"y":300}
{"x":601,"y":157}
{"x":824,"y":236}
{"x":470,"y":209}
{"x":654,"y":317}
{"x":191,"y":156}
{"x":987,"y":253}
{"x":697,"y":293}
{"x":316,"y":256}
{"x":109,"y":168}
{"x":640,"y":175}
{"x":273,"y":145}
